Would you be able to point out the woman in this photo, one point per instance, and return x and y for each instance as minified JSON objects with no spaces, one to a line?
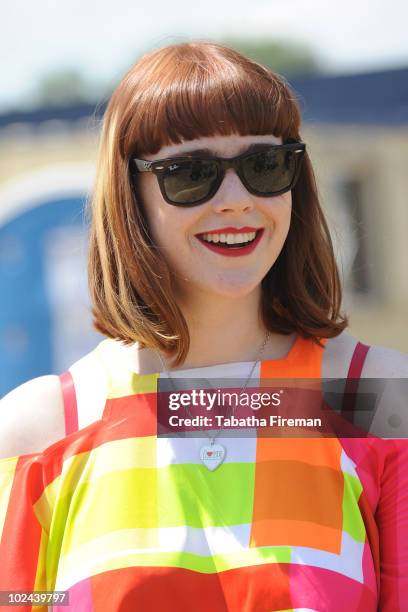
{"x":215,"y":268}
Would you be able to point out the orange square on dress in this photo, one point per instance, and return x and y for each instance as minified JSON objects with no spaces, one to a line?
{"x":290,"y":510}
{"x":316,"y":451}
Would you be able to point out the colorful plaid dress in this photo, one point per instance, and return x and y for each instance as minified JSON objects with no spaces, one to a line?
{"x":125,"y":520}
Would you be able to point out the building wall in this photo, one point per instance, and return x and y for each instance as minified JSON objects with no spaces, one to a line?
{"x":376,"y":160}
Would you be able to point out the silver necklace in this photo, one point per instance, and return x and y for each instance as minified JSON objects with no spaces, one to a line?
{"x":212,"y":455}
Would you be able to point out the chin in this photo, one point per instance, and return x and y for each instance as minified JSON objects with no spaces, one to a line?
{"x":232,"y":289}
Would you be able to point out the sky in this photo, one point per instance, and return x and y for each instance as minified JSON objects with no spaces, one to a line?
{"x":102,"y":38}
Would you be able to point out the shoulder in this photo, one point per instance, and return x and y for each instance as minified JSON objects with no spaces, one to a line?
{"x":90,"y":376}
{"x":32,"y":415}
{"x":389,"y":370}
{"x":380,"y":362}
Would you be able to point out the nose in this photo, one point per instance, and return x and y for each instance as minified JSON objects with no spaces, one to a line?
{"x":232,"y":195}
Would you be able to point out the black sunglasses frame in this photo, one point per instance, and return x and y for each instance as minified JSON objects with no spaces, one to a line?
{"x":159,"y":167}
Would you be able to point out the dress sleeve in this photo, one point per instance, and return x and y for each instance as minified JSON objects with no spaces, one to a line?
{"x":24,"y":534}
{"x":392,"y":521}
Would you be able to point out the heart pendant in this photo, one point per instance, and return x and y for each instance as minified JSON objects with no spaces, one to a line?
{"x":212,"y":455}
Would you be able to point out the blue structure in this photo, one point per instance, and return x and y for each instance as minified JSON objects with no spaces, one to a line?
{"x":26,"y":313}
{"x":372,"y":98}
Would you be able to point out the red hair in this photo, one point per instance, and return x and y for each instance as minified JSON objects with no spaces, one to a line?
{"x":183,"y":92}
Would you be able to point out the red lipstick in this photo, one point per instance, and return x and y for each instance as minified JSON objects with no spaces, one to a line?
{"x":233,"y":251}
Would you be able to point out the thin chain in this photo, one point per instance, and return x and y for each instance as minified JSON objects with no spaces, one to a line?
{"x":259,"y":353}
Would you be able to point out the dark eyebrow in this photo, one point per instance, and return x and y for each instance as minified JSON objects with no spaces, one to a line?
{"x":205,"y":153}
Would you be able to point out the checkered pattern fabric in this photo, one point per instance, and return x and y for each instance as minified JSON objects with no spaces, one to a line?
{"x":125,"y":520}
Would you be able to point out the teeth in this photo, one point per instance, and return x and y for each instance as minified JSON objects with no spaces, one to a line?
{"x":229,"y":238}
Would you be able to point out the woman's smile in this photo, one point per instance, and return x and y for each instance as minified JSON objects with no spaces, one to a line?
{"x":230,"y":245}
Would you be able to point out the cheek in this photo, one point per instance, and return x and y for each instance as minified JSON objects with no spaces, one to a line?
{"x":167,"y":224}
{"x":279,"y":211}
{"x":153,"y":205}
{"x":287,"y":208}
{"x":285,"y":202}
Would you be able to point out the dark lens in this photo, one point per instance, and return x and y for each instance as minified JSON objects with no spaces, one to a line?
{"x":269,"y":171}
{"x":189,"y":182}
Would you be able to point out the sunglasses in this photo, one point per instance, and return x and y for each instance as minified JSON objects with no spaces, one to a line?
{"x":189,"y":180}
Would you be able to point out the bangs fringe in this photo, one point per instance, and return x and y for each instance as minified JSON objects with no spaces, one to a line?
{"x":194,"y":91}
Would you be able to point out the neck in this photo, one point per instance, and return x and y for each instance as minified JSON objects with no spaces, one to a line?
{"x":231,"y":332}
{"x":222,"y":330}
